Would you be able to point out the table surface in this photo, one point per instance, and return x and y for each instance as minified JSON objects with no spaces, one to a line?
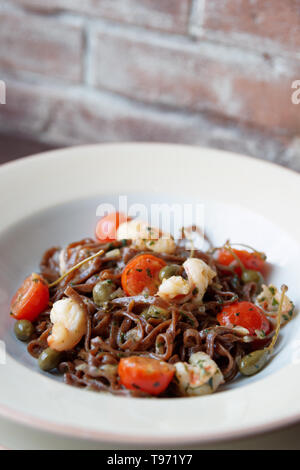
{"x":12,"y":147}
{"x":15,"y":436}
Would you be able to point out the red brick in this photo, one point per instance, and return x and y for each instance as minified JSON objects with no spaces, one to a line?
{"x":75,"y":116}
{"x":167,"y":15}
{"x":25,"y":111}
{"x":38,"y":45}
{"x":198,"y":77}
{"x":248,"y":21}
{"x":63,"y":116}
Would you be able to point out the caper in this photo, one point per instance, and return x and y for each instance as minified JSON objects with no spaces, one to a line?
{"x":156,"y":312}
{"x":49,"y":359}
{"x":102,"y":291}
{"x":249,"y":275}
{"x":169,"y":271}
{"x":254,"y":362}
{"x":23,"y":330}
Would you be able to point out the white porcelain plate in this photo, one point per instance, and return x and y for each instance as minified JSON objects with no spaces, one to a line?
{"x":51,"y":199}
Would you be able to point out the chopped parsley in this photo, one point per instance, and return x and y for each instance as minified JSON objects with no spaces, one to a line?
{"x":122,"y":336}
{"x":187,"y":318}
{"x":261,"y":334}
{"x":136,"y":386}
{"x":235,"y":281}
{"x":211,"y":383}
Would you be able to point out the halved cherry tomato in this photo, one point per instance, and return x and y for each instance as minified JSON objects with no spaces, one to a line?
{"x":31,"y":299}
{"x":106,"y":229}
{"x":249,"y":260}
{"x":244,"y":314}
{"x":145,"y":374}
{"x":142,"y":274}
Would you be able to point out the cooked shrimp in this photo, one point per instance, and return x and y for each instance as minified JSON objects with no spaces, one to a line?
{"x":69,"y":325}
{"x":165,"y":244}
{"x":200,"y":275}
{"x":173,"y":286}
{"x":200,"y":376}
{"x":145,"y":237}
{"x":269,"y":300}
{"x":62,"y":262}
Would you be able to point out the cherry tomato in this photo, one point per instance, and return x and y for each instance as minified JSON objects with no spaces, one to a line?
{"x":146,"y":374}
{"x":31,"y":299}
{"x":106,"y":229}
{"x":244,"y":314}
{"x":249,"y":260}
{"x":142,"y":274}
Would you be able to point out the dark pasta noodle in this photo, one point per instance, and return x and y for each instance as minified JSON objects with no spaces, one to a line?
{"x":121,"y":328}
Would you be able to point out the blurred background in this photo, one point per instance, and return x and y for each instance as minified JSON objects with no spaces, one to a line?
{"x":217,"y":73}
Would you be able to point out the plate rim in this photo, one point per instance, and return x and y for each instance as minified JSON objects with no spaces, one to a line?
{"x":46,"y":153}
{"x":115,"y":437}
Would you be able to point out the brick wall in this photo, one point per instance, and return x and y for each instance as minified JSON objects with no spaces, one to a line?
{"x":215,"y":73}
